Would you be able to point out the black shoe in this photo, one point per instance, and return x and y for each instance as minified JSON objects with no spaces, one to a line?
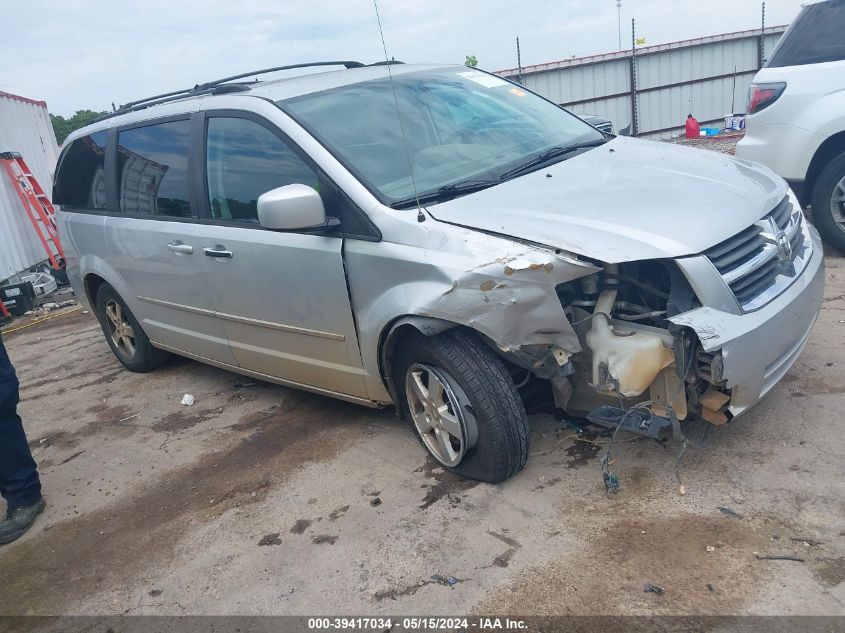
{"x":19,"y":520}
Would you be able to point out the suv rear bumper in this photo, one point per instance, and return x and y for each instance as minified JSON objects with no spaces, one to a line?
{"x":758,"y":348}
{"x":785,"y":149}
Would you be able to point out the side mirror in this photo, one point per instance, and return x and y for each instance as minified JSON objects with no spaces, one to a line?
{"x":292,"y":208}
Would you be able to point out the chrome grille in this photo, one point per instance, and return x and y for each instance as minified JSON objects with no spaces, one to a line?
{"x":752,"y":263}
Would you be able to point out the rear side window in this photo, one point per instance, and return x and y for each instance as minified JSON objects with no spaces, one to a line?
{"x":817,"y":35}
{"x":152,"y":168}
{"x":244,"y":160}
{"x":80,"y":181}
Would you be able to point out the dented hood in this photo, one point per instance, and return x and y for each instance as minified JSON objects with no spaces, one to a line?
{"x":626,"y":200}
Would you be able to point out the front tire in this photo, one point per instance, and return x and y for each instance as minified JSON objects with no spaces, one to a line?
{"x":829,"y":202}
{"x":462,"y":404}
{"x":124,"y":334}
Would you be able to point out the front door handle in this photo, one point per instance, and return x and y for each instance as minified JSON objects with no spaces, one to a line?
{"x":217,"y":251}
{"x":180,"y":247}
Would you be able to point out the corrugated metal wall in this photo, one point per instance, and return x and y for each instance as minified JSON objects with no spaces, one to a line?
{"x":24,"y":127}
{"x":708,"y":77}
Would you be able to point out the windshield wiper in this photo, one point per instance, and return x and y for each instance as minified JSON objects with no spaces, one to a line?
{"x":446,"y":192}
{"x":550,"y":154}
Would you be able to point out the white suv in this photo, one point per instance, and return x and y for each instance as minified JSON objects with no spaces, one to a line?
{"x":796,"y":114}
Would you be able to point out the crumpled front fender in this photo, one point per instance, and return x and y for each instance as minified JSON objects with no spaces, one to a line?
{"x":503,"y":289}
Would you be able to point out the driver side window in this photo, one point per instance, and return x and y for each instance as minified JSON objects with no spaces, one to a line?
{"x":244,"y":160}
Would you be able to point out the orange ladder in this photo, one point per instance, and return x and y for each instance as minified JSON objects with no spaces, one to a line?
{"x":37,"y":205}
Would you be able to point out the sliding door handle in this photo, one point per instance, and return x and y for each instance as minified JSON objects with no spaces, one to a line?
{"x":180,"y":248}
{"x":217,"y":251}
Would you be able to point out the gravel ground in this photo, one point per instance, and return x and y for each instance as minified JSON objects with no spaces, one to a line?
{"x":725,"y":142}
{"x":263,"y":500}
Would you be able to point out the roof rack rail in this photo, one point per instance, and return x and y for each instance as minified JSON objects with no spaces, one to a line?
{"x":218,"y":86}
{"x":264,"y":71}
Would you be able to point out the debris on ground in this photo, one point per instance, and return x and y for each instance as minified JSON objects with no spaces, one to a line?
{"x":724,"y":142}
{"x":245,"y":384}
{"x":320,"y":539}
{"x":649,"y":588}
{"x":270,"y":539}
{"x":375,"y":501}
{"x":729,"y":512}
{"x":710,"y":548}
{"x":611,"y":483}
{"x":796,"y":559}
{"x":188,"y":400}
{"x":51,"y":306}
{"x":448,"y":581}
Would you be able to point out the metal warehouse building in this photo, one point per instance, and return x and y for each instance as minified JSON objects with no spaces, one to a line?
{"x":24,"y":127}
{"x":655,"y":87}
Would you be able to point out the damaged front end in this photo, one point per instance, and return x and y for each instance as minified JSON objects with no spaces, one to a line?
{"x":696,"y":337}
{"x":636,"y":344}
{"x":600,"y":334}
{"x":633,"y":357}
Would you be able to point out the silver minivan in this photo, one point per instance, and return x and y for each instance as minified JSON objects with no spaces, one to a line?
{"x":443,"y":239}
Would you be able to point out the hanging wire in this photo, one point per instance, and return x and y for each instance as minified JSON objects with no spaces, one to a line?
{"x":420,"y":215}
{"x":611,"y":480}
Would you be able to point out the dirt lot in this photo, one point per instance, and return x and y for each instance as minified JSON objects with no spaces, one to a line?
{"x":261,"y":499}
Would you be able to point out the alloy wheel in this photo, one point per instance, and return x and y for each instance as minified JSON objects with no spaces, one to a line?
{"x":120,"y":330}
{"x":441,"y":413}
{"x":837,"y":204}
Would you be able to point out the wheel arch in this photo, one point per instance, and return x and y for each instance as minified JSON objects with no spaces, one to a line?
{"x":832,"y":147}
{"x":393,"y":333}
{"x":95,"y":271}
{"x":92,"y":283}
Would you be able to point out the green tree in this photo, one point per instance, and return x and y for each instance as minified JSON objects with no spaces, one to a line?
{"x":63,"y":127}
{"x":471,"y":61}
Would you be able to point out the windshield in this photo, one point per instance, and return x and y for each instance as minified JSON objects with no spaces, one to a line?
{"x":461,"y":126}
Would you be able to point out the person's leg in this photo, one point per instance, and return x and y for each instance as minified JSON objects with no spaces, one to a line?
{"x":19,"y":482}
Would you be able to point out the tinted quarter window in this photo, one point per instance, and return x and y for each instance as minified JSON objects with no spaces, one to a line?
{"x":152,"y":167}
{"x":80,"y":181}
{"x":245,"y":159}
{"x":817,"y":35}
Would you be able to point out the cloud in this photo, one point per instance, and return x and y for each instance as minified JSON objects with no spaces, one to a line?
{"x":90,"y":53}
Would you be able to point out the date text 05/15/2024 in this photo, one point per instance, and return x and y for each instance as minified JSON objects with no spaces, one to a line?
{"x":419,"y":623}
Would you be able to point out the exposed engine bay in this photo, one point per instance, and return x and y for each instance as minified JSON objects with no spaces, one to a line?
{"x":633,"y":356}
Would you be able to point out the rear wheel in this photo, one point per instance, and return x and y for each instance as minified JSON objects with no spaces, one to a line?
{"x":829,"y":202}
{"x":462,"y":405}
{"x":124,"y":334}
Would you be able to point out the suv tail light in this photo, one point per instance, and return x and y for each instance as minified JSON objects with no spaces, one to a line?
{"x":761,"y":96}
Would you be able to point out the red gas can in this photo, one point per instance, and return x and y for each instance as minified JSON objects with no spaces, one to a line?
{"x":693,"y":129}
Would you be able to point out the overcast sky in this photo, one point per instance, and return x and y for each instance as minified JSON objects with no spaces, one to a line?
{"x":86,"y":54}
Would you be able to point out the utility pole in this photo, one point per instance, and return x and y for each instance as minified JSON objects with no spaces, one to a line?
{"x":633,"y":60}
{"x":619,"y":21}
{"x":518,"y":61}
{"x":761,"y":46}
